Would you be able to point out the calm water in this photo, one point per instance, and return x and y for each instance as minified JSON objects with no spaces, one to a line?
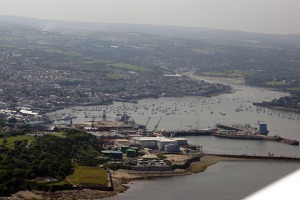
{"x":226,"y":180}
{"x":203,"y":112}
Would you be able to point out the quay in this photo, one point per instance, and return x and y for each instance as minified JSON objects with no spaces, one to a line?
{"x":234,"y":132}
{"x":230,"y":135}
{"x":257,"y":157}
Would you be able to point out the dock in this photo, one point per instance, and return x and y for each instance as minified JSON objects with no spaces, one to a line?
{"x":257,"y":157}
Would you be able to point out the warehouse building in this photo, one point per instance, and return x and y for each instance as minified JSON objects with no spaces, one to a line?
{"x":160,"y":143}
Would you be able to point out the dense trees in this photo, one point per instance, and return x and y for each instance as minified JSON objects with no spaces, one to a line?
{"x":48,"y":156}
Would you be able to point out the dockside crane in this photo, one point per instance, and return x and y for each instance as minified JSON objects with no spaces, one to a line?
{"x":151,"y":133}
{"x":144,"y":131}
{"x":93,"y":118}
{"x":174,"y":133}
{"x":197,"y":125}
{"x":104,"y":115}
{"x":157,"y":124}
{"x":147,"y":123}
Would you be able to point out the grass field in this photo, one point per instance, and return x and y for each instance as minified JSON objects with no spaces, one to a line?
{"x":94,"y":61}
{"x":10,"y":140}
{"x":130,"y":67}
{"x":58,"y":134}
{"x":294,"y":89}
{"x":114,"y":76}
{"x":17,"y":55}
{"x":276,"y":83}
{"x":213,"y":73}
{"x":229,"y":73}
{"x":56,"y":51}
{"x":88,"y":175}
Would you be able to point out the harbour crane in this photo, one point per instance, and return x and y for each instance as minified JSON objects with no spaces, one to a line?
{"x":174,"y":133}
{"x":104,"y":115}
{"x":197,"y":124}
{"x":94,"y":117}
{"x":156,"y":126}
{"x":147,"y":123}
{"x":123,"y":117}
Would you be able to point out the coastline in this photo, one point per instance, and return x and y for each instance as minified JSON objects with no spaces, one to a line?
{"x":120,"y":183}
{"x":120,"y":180}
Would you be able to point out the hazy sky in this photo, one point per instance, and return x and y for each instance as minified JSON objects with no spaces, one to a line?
{"x":267,"y":16}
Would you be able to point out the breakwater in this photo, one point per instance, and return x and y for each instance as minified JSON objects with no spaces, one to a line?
{"x":257,"y":157}
{"x":229,"y":135}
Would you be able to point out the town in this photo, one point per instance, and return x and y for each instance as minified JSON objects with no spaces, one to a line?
{"x":44,"y":70}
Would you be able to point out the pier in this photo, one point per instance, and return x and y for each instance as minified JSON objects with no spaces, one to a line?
{"x":257,"y":157}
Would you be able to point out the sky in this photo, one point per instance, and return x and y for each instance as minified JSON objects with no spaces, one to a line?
{"x":261,"y":16}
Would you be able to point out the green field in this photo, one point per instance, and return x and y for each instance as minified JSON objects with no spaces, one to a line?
{"x":94,"y":61}
{"x":58,"y":134}
{"x":293,"y":89}
{"x":10,"y":140}
{"x":213,"y":73}
{"x":56,"y":51}
{"x":17,"y":55}
{"x":88,"y":175}
{"x":130,"y":67}
{"x":276,"y":83}
{"x":229,"y":73}
{"x":114,"y":76}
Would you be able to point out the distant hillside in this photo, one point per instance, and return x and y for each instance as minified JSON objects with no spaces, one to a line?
{"x":175,"y":31}
{"x":262,"y":59}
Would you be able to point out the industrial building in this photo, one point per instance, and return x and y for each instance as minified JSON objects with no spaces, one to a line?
{"x":181,"y":141}
{"x":160,"y":143}
{"x":145,"y":142}
{"x":122,"y":142}
{"x":113,"y":154}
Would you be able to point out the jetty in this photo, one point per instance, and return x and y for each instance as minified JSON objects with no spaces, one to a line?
{"x":257,"y":157}
{"x":250,"y":133}
{"x":233,"y":132}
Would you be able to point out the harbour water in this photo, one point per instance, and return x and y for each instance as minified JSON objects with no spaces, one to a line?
{"x":203,"y":112}
{"x":222,"y":180}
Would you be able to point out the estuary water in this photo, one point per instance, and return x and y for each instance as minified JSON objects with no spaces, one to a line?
{"x":226,"y":180}
{"x":204,"y":112}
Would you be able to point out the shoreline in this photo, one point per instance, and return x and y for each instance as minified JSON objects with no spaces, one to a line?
{"x":121,"y":179}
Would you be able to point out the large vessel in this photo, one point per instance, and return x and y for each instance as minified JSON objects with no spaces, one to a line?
{"x":289,"y":141}
{"x":260,"y":129}
{"x":191,"y":132}
{"x":238,"y":135}
{"x":248,"y":133}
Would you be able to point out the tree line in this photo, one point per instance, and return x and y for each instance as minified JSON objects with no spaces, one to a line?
{"x":48,"y":156}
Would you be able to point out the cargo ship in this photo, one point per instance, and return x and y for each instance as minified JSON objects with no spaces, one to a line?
{"x":289,"y":141}
{"x":244,"y":135}
{"x":260,"y":129}
{"x":191,"y":132}
{"x":248,"y":133}
{"x":238,"y":135}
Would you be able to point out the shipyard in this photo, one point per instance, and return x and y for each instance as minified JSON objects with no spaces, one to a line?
{"x":124,"y":128}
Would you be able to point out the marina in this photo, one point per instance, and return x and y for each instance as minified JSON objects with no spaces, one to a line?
{"x":199,"y":113}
